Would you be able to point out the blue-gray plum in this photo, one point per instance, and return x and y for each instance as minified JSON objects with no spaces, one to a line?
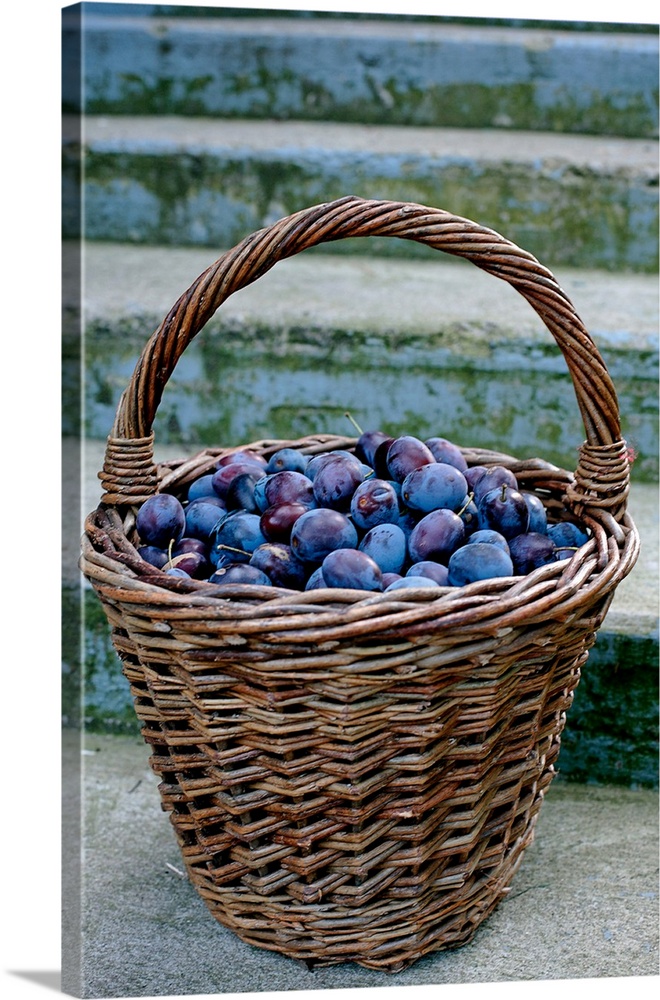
{"x":430,"y":570}
{"x":352,"y":569}
{"x":538,"y":518}
{"x":160,"y":520}
{"x":319,"y":531}
{"x":567,"y":534}
{"x":413,"y":583}
{"x":374,"y":501}
{"x":436,"y":536}
{"x":202,"y":515}
{"x":387,"y":546}
{"x":469,"y":515}
{"x":407,"y":521}
{"x":491,"y":537}
{"x":433,"y":486}
{"x":259,"y":493}
{"x":222,"y":557}
{"x":446,"y":451}
{"x":238,"y":530}
{"x":316,"y":581}
{"x":530,"y":551}
{"x":503,"y":509}
{"x":177,"y":571}
{"x":201,"y":487}
{"x":240,"y":573}
{"x":479,"y":561}
{"x":153,"y":555}
{"x":287,"y":460}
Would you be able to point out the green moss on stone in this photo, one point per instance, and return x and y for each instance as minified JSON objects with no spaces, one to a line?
{"x":270,"y":89}
{"x":611,"y":733}
{"x":95,"y":693}
{"x":564,"y":215}
{"x":162,"y":95}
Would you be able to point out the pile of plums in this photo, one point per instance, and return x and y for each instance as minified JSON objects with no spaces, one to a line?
{"x":394,"y":513}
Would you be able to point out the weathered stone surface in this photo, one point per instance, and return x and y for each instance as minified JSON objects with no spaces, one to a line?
{"x":426,"y":344}
{"x":424,"y":72}
{"x":580,"y":201}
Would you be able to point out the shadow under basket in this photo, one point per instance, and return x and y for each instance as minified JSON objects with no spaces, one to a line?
{"x":355,"y":776}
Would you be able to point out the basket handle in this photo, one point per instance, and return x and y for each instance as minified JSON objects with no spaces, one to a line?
{"x":602,"y":476}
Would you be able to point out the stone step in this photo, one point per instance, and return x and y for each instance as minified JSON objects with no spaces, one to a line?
{"x":387,"y":71}
{"x":437,"y":346}
{"x":572,"y":200}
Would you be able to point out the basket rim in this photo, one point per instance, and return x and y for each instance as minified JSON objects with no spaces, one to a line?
{"x":114,"y":568}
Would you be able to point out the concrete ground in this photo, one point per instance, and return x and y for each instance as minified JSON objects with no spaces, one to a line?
{"x":584,"y":904}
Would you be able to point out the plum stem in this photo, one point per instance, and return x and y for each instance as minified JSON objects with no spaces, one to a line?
{"x":354,"y":422}
{"x":468,"y":501}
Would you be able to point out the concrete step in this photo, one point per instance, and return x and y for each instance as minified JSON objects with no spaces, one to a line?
{"x":572,"y":200}
{"x":434,"y":345}
{"x":387,"y":71}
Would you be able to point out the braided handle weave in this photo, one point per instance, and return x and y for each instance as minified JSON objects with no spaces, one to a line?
{"x":602,"y":476}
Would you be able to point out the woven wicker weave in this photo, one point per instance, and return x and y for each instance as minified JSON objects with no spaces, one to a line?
{"x":353,"y":776}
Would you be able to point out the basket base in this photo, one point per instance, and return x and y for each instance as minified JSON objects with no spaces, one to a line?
{"x":387,"y":935}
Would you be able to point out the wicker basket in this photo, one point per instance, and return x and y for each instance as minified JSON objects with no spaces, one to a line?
{"x":355,"y":776}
